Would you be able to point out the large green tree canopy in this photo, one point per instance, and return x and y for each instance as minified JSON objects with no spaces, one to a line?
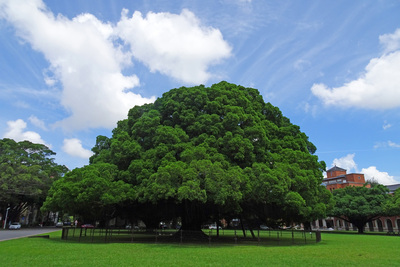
{"x":218,"y":149}
{"x":211,"y":152}
{"x":360,"y":205}
{"x":27,"y":171}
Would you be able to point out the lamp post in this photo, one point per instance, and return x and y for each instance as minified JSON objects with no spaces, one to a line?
{"x":5,"y":219}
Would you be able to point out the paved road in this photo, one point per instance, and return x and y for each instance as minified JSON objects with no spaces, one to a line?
{"x":13,"y":234}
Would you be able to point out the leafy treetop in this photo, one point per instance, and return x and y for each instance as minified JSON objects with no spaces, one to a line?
{"x":206,"y":152}
{"x":360,"y":205}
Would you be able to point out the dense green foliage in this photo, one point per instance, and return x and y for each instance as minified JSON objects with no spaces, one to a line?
{"x":392,"y":206}
{"x":360,"y":205}
{"x":27,"y":171}
{"x":90,"y":191}
{"x":206,"y":153}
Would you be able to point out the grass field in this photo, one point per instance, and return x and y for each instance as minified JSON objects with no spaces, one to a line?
{"x":334,"y":250}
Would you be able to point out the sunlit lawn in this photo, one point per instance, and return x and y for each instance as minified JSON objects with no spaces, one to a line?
{"x":334,"y":250}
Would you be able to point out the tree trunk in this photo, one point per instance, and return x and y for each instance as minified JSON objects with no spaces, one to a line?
{"x":191,"y":216}
{"x":191,"y":222}
{"x":150,"y":223}
{"x":218,"y":224}
{"x":252,"y":233}
{"x":360,"y":227}
{"x":307,"y":226}
{"x":244,"y":230}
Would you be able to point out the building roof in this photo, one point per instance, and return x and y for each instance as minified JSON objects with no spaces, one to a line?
{"x":393,"y":187}
{"x":335,"y":178}
{"x":336,"y":168}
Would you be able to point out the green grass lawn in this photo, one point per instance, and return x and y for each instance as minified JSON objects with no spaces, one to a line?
{"x":334,"y":250}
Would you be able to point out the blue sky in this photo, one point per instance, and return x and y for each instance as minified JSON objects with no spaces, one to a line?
{"x":71,"y":69}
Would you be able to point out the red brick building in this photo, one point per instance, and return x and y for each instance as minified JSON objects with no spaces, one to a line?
{"x":338,"y":178}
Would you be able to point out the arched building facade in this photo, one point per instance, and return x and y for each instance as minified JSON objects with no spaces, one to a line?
{"x":338,"y":178}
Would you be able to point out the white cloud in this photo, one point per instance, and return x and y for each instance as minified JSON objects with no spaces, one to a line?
{"x":83,"y":58}
{"x":49,"y":78}
{"x":74,"y":148}
{"x":21,"y":104}
{"x":37,"y":122}
{"x":391,"y":41}
{"x":87,"y":56}
{"x":381,"y":177}
{"x":175,"y":45}
{"x":347,"y":162}
{"x":386,"y":125}
{"x":393,"y":144}
{"x":376,"y":88}
{"x":16,"y":132}
{"x":301,"y":64}
{"x":308,"y":108}
{"x":371,"y":173}
{"x":387,"y":144}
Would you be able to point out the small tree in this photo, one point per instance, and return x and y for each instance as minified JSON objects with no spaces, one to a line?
{"x":27,"y":171}
{"x":360,"y":205}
